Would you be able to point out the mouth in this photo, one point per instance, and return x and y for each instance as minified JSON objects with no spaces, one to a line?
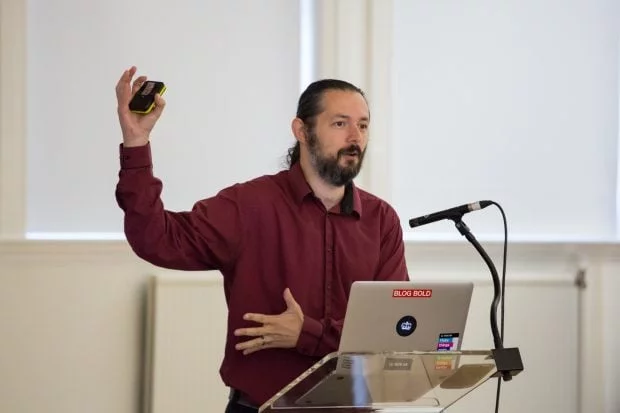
{"x":350,"y":158}
{"x":350,"y":153}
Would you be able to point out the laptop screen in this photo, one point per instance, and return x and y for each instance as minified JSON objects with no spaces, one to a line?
{"x":405,"y":316}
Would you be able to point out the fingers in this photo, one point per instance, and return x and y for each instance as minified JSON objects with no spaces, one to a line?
{"x":288,"y":298}
{"x":160,"y":104}
{"x":137,"y":84}
{"x":123,"y":88}
{"x":252,"y":331}
{"x":255,"y":349}
{"x":292,"y":305}
{"x":127,"y":75}
{"x":125,"y":79}
{"x":259,"y":318}
{"x":255,"y":343}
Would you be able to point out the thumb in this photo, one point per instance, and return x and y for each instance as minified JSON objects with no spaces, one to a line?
{"x":288,"y":298}
{"x":160,"y":103}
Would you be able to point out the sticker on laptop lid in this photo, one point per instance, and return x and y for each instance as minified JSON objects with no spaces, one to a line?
{"x":406,"y":326}
{"x":412,"y":293}
{"x":448,"y":342}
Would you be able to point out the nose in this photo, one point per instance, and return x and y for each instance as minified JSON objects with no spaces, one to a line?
{"x":356,"y":134}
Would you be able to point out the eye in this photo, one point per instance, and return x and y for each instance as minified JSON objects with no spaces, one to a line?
{"x":363,"y":126}
{"x":339,"y":123}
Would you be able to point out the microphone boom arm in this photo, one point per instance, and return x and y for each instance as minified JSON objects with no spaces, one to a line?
{"x":507,"y":360}
{"x":464,"y":230}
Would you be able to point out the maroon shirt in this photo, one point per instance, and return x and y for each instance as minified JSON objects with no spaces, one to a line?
{"x":265,"y":235}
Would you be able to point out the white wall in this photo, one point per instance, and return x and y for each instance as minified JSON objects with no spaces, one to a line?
{"x":72,"y":313}
{"x":71,"y":323}
{"x":73,"y":316}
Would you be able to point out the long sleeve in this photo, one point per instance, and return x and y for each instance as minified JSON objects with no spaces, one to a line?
{"x":319,"y":337}
{"x":207,"y":237}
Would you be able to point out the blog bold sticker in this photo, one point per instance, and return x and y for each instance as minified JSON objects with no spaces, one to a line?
{"x":412,"y":293}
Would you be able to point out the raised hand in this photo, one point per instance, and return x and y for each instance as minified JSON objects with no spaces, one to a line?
{"x":136,"y":128}
{"x":276,"y":331}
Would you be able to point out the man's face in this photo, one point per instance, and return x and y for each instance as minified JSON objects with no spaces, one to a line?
{"x":337,"y":143}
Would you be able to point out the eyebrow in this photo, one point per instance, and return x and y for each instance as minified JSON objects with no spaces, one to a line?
{"x":340,"y":115}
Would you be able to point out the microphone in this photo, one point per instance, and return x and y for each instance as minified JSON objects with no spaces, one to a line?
{"x":452,"y":213}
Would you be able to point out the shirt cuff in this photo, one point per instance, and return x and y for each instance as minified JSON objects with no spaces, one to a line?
{"x":310,"y":336}
{"x":135,"y":157}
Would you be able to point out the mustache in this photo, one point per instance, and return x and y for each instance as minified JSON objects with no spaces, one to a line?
{"x":350,"y":150}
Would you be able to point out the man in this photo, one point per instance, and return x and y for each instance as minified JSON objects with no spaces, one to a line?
{"x":288,"y":245}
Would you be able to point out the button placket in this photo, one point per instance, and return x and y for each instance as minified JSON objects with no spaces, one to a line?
{"x":329,"y":264}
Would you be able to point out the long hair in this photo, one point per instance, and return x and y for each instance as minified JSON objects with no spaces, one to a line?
{"x":311,"y":105}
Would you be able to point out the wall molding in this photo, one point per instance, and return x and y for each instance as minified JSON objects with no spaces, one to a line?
{"x":444,"y":252}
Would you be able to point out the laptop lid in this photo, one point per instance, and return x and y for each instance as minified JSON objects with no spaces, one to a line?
{"x":405,"y":316}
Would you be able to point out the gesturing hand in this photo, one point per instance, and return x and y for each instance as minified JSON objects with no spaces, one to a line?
{"x":136,"y":128}
{"x":277,"y":331}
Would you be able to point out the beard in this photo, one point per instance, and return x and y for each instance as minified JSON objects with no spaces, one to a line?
{"x":329,"y":168}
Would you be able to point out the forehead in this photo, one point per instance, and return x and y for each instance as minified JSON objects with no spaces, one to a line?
{"x":344,"y":102}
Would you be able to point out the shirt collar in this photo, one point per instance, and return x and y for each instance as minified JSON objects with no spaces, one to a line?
{"x":350,"y":204}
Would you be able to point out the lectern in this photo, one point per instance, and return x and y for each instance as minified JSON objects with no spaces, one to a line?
{"x":390,"y":382}
{"x":415,"y":381}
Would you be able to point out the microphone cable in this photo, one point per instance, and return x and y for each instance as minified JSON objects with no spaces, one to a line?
{"x":503,"y":298}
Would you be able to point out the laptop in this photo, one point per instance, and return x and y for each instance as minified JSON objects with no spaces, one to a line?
{"x":399,"y":316}
{"x":405,"y":316}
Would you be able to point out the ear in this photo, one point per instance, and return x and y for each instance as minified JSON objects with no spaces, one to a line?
{"x":299,"y":130}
